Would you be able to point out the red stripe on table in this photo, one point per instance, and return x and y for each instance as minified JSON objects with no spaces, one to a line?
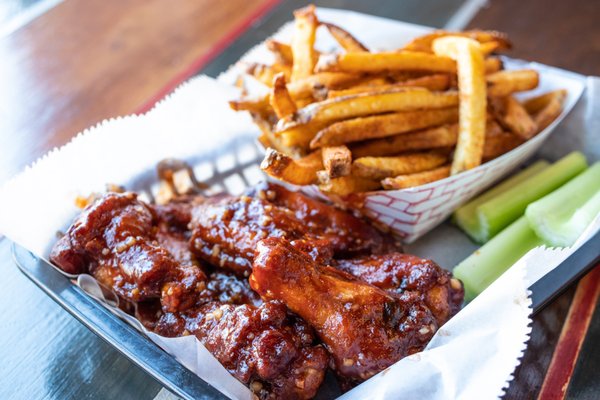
{"x":571,"y":338}
{"x":209,"y":55}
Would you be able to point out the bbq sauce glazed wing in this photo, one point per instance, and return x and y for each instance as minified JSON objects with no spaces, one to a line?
{"x":122,"y":242}
{"x":399,"y":273}
{"x":227,"y":231}
{"x":264,"y":347}
{"x":364,"y":328}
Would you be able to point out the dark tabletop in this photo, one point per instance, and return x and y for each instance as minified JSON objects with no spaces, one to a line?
{"x":67,"y":65}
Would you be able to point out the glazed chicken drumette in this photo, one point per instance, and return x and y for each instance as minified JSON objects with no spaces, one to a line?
{"x":326,"y":289}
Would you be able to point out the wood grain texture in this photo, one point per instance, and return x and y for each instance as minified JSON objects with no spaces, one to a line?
{"x":574,"y":330}
{"x":556,"y":32}
{"x":87,"y":60}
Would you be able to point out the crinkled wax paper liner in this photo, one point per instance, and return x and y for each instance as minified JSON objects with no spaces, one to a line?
{"x":410,"y":213}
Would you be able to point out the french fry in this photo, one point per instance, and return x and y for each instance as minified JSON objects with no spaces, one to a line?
{"x":329,"y":80}
{"x":344,"y":38}
{"x":299,"y":136}
{"x":363,"y":128}
{"x":282,"y":51}
{"x":258,"y":105}
{"x":424,"y":43}
{"x":490,"y":47}
{"x":436,"y":82}
{"x":266,"y":73}
{"x":497,"y":145}
{"x":346,"y":185}
{"x":383,"y":167}
{"x":416,"y":179}
{"x":399,"y":115}
{"x":504,"y":83}
{"x":298,"y":90}
{"x":405,"y":99}
{"x":337,"y":161}
{"x":548,"y":114}
{"x":537,"y":103}
{"x":493,"y":64}
{"x":472,"y":108}
{"x":385,"y":61}
{"x":298,"y":172}
{"x":303,"y":43}
{"x":432,"y":138}
{"x":268,"y":139}
{"x":513,"y":116}
{"x":281,"y":101}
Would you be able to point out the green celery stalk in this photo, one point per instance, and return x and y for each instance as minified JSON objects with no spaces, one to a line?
{"x":466,"y":216}
{"x":492,"y":259}
{"x":561,"y":217}
{"x":497,"y":213}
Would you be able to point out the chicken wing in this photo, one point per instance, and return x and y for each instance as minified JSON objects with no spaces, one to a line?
{"x":263,"y":346}
{"x":364,"y":328}
{"x":226,"y":231}
{"x":124,"y":244}
{"x":399,"y":273}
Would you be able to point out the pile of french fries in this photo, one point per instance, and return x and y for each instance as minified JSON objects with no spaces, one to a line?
{"x":360,"y":120}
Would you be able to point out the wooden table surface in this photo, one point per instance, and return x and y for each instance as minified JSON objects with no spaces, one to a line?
{"x":82,"y":61}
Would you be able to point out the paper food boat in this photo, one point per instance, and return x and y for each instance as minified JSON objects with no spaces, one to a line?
{"x":410,"y":213}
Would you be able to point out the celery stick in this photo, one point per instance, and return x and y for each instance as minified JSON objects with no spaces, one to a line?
{"x":560,"y":217}
{"x":485,"y":265}
{"x":497,"y":213}
{"x":466,"y":216}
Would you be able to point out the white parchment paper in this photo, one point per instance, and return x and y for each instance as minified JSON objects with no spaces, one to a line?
{"x":472,"y":356}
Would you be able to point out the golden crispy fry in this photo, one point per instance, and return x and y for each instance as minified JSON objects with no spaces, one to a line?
{"x":281,"y":101}
{"x":537,"y":103}
{"x":266,"y":73}
{"x":282,"y":51}
{"x":346,"y":185}
{"x":299,"y":136}
{"x":424,"y":43}
{"x":369,"y":80}
{"x":329,"y":80}
{"x":503,"y":83}
{"x":299,"y":90}
{"x":268,"y":139}
{"x":303,"y":42}
{"x":417,"y":179}
{"x":497,"y":145}
{"x":436,"y":82}
{"x":432,"y":138}
{"x":298,"y":172}
{"x":383,"y":167}
{"x":358,"y":129}
{"x":548,"y":114}
{"x":513,"y":116}
{"x":472,"y":109}
{"x":493,"y":64}
{"x":337,"y":161}
{"x":490,"y":47}
{"x":385,"y":61}
{"x":258,"y":105}
{"x":405,"y":99}
{"x":344,"y":38}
